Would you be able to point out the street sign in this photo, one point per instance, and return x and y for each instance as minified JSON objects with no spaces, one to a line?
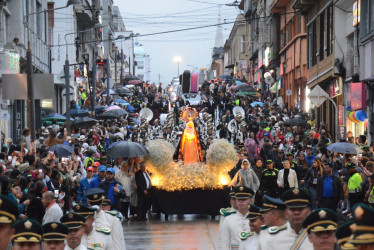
{"x":317,"y":96}
{"x":288,"y":92}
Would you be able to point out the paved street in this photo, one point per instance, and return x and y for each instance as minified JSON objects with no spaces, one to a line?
{"x":180,"y":232}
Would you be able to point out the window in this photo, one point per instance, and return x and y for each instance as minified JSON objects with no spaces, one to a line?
{"x":38,"y":18}
{"x":242,"y":44}
{"x":299,"y":21}
{"x":322,"y":36}
{"x":350,"y":55}
{"x":330,"y":30}
{"x":312,"y":44}
{"x":140,"y":65}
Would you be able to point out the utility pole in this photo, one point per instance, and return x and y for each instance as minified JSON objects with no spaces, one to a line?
{"x":93,"y":81}
{"x":67,"y":92}
{"x":115,"y":68}
{"x":121,"y":65}
{"x":30,"y":93}
{"x":107,"y":82}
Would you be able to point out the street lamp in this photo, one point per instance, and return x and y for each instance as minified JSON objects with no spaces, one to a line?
{"x":177,"y":59}
{"x":30,"y":85}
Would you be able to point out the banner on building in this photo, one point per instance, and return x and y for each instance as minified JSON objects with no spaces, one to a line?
{"x":357,"y":96}
{"x":43,"y":86}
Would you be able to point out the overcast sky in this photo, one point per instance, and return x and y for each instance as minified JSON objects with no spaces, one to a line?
{"x":193,"y":46}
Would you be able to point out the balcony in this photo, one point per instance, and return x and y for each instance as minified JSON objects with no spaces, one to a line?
{"x":40,"y":52}
{"x":303,"y":5}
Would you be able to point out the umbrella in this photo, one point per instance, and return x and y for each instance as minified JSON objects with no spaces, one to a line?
{"x":225,"y":77}
{"x":126,"y":149}
{"x":62,"y":150}
{"x":252,"y":94}
{"x":245,"y":88}
{"x":238,"y":82}
{"x":254,"y":104}
{"x":293,"y":122}
{"x":111,"y":92}
{"x":134,"y":82}
{"x":112,"y":107}
{"x":78,"y":113}
{"x":100,"y":109}
{"x":83,"y":122}
{"x":130,"y":77}
{"x":344,"y":148}
{"x":55,"y":116}
{"x":121,"y":102}
{"x":124,"y":91}
{"x":113,"y":114}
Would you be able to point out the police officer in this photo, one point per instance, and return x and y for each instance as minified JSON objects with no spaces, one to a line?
{"x":363,"y":230}
{"x":8,"y":215}
{"x":354,"y":184}
{"x":321,"y":225}
{"x":269,"y":179}
{"x":250,"y":239}
{"x":276,"y":235}
{"x":27,"y":234}
{"x":293,"y":163}
{"x":236,"y":222}
{"x":298,"y":208}
{"x":54,"y":236}
{"x":95,"y":196}
{"x":230,"y":210}
{"x":74,"y":222}
{"x":94,"y":237}
{"x":343,"y":234}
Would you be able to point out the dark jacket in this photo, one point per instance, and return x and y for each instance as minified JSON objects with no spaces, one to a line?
{"x":337,"y":186}
{"x":141,"y":183}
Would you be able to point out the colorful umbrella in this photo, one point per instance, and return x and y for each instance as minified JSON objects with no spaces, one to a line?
{"x":225,"y":77}
{"x":134,"y":82}
{"x":113,"y":107}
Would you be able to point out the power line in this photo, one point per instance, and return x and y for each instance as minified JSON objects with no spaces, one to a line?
{"x":187,"y":29}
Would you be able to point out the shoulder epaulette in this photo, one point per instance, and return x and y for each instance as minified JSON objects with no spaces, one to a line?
{"x":222,"y":211}
{"x":104,"y":230}
{"x":244,"y":235}
{"x":229,"y":213}
{"x":263,"y":227}
{"x":275,"y":229}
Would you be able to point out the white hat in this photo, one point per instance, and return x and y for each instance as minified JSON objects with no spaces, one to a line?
{"x":46,"y":132}
{"x":81,"y":138}
{"x":85,"y":145}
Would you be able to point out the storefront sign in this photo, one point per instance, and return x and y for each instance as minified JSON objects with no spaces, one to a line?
{"x":336,"y":87}
{"x":358,"y":96}
{"x":340,"y":114}
{"x":342,"y":132}
{"x":243,"y":64}
{"x":356,"y":12}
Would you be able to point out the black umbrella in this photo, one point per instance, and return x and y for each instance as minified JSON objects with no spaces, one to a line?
{"x":131,"y":77}
{"x":295,"y":122}
{"x":126,"y":149}
{"x":78,"y":113}
{"x":83,"y":122}
{"x":62,"y":150}
{"x":245,"y":88}
{"x":115,"y":113}
{"x":124,"y":92}
{"x":100,"y":109}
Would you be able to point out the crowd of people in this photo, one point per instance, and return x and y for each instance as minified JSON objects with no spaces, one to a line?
{"x":91,"y":193}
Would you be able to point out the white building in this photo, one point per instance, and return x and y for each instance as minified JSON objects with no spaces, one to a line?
{"x":142,"y":63}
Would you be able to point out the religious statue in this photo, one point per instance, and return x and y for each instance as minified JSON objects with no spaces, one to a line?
{"x":189,"y":149}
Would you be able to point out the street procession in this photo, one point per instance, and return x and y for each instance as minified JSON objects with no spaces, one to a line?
{"x":191,"y":124}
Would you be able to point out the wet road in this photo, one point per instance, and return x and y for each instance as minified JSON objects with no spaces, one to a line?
{"x":188,"y":232}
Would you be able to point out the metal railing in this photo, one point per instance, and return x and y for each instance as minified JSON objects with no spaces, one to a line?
{"x":40,"y":51}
